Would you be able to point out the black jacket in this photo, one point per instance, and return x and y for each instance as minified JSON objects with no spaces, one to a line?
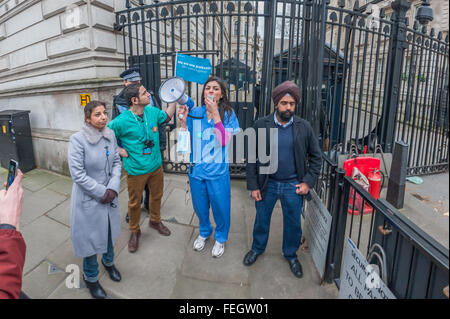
{"x":307,"y":153}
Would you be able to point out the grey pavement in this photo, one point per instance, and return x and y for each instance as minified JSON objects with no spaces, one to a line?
{"x":163,"y":267}
{"x":427,"y":205}
{"x":168,"y":267}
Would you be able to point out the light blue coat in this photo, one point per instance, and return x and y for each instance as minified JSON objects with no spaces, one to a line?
{"x":95,"y":166}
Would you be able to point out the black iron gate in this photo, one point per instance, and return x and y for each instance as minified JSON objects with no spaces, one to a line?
{"x":414,"y":264}
{"x":366,"y":78}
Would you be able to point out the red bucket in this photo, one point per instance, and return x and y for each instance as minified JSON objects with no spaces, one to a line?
{"x":365,"y":165}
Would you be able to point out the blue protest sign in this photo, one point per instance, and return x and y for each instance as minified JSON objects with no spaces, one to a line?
{"x":193,"y":69}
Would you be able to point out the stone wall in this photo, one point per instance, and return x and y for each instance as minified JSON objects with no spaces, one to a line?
{"x":51,"y":51}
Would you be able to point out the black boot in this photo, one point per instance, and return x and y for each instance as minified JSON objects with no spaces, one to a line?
{"x":96,"y":290}
{"x":114,"y":274}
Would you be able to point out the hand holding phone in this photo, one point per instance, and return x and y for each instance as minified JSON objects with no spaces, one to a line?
{"x":12,"y":172}
{"x":11,"y":202}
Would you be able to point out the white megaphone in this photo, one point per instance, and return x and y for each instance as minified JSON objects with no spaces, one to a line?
{"x":172,"y":90}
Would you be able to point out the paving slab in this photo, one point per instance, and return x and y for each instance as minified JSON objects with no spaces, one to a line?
{"x":439,"y":233}
{"x":175,"y":208}
{"x":151,"y":271}
{"x":122,"y":242}
{"x":176,"y":180}
{"x":62,"y":292}
{"x":42,"y":281}
{"x":3,"y":176}
{"x":64,"y":255}
{"x":38,"y":179}
{"x":123,"y":183}
{"x":62,"y":186}
{"x":429,"y":215}
{"x":61,"y":213}
{"x":226,"y":269}
{"x":427,"y":205}
{"x":271,"y":277}
{"x":42,"y":237}
{"x":188,"y":288}
{"x":39,"y":203}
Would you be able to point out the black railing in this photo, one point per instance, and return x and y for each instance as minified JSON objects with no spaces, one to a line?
{"x":365,"y":79}
{"x":416,"y":265}
{"x":364,"y":82}
{"x":422,"y":117}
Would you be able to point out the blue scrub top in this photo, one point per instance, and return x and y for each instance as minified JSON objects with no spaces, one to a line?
{"x":208,"y":155}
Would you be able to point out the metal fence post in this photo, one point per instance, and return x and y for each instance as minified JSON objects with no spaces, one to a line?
{"x":397,"y":179}
{"x":393,"y":80}
{"x":270,"y":12}
{"x":306,"y":109}
{"x":338,"y":224}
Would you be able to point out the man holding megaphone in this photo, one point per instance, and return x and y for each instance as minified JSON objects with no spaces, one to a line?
{"x":137,"y":129}
{"x":133,"y":76}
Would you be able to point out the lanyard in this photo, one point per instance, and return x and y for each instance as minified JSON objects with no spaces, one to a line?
{"x":145,"y":125}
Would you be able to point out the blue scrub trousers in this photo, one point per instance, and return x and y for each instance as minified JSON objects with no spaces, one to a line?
{"x":291,"y":204}
{"x":215,"y":194}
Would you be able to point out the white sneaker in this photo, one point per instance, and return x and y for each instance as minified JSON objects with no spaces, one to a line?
{"x":199,"y":243}
{"x":218,"y":249}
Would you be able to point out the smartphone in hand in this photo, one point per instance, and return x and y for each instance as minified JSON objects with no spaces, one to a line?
{"x":12,"y":171}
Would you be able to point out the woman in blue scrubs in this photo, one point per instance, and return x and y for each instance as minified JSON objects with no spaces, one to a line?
{"x":211,"y":126}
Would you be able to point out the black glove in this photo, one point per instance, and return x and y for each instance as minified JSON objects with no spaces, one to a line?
{"x":108,"y":197}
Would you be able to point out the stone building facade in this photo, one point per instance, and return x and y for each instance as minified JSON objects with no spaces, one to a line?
{"x":51,"y":52}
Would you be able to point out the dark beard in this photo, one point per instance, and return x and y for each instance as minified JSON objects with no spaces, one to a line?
{"x":284,"y":116}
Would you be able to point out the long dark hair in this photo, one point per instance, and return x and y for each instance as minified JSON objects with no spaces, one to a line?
{"x":224,"y":104}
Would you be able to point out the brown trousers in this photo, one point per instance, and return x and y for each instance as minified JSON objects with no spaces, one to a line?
{"x":136,"y":185}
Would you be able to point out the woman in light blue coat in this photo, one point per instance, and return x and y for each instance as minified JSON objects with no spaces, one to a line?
{"x":95,"y":166}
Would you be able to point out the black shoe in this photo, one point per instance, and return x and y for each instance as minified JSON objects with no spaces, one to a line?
{"x":250,"y":258}
{"x":96,"y":290}
{"x":114,"y":274}
{"x":296,"y":268}
{"x":127,"y":219}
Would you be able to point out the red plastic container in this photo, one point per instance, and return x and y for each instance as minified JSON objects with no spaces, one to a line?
{"x":365,"y":165}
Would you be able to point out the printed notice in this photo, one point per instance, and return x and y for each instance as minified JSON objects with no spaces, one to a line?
{"x":358,"y":279}
{"x":317,"y":230}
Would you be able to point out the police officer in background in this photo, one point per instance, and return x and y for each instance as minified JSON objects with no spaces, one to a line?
{"x":131,"y":76}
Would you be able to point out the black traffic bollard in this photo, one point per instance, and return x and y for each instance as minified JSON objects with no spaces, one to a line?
{"x":397,"y":179}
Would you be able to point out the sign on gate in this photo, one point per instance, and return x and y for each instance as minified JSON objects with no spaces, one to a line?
{"x":193,"y":69}
{"x":317,"y":230}
{"x":358,"y":279}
